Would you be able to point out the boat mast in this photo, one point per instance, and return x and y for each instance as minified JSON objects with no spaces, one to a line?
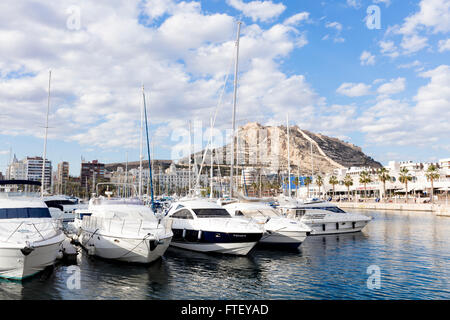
{"x":212,"y":162}
{"x":126,"y":177}
{"x":46,"y":133}
{"x":190,"y":153}
{"x":140,"y":149}
{"x":289,"y":154}
{"x":234,"y":107}
{"x":148,"y":151}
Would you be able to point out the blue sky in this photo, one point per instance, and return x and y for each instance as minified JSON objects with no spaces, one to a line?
{"x":386,"y":90}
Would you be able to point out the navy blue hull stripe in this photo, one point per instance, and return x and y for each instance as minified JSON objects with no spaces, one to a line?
{"x":191,"y":236}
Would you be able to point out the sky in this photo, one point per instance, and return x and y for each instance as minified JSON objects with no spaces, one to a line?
{"x":374,"y":73}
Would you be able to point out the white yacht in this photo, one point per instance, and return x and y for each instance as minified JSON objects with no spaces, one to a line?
{"x":124,"y":229}
{"x":325,"y":218}
{"x":30,"y":238}
{"x":63,"y":207}
{"x":205,"y":226}
{"x":278,"y":230}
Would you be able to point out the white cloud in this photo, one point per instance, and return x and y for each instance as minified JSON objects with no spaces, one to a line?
{"x":354,"y":89}
{"x":367,"y":59}
{"x":433,"y":17}
{"x":354,"y":3}
{"x":444,"y":45}
{"x":338,"y":27}
{"x":335,"y":25}
{"x":415,"y":63}
{"x":258,"y":10}
{"x":413,"y":43}
{"x":392,"y":87}
{"x":97,"y":71}
{"x":296,"y":18}
{"x":388,"y":48}
{"x":433,"y":14}
{"x":387,"y":3}
{"x":397,"y":122}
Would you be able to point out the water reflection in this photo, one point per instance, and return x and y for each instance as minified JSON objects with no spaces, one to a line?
{"x":411,"y":250}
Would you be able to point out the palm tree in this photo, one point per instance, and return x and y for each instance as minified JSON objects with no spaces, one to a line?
{"x":333,"y":181}
{"x":308,"y":181}
{"x":365,"y":178}
{"x":296,"y":183}
{"x":319,"y":182}
{"x":404,"y":178}
{"x":432,"y":174}
{"x":348,"y":181}
{"x":383,"y":176}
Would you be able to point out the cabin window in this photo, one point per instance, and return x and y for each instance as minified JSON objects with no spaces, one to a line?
{"x":183,"y":214}
{"x":299,"y":212}
{"x":212,"y":213}
{"x":239,"y":213}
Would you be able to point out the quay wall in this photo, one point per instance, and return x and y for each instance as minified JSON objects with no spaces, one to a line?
{"x":438,"y":209}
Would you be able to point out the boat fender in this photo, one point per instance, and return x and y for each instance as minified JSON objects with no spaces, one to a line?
{"x":184,"y":233}
{"x":199,"y":234}
{"x":91,"y":250}
{"x":27,"y":250}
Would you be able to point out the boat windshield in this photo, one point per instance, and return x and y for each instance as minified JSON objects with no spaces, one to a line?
{"x":269,"y":212}
{"x":212,"y":213}
{"x":330,"y":208}
{"x":15,"y":213}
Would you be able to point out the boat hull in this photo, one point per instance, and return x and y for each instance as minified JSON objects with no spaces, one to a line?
{"x":234,"y":248}
{"x":215,"y":242}
{"x":332,"y":228}
{"x":288,"y":239}
{"x":15,"y":265}
{"x":133,"y":250}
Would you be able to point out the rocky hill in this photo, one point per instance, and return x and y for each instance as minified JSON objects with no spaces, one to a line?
{"x":267,"y":146}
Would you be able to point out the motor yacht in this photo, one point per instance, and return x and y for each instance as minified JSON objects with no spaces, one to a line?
{"x":30,"y":239}
{"x":123,"y":229}
{"x":278,"y":230}
{"x":205,"y":226}
{"x":63,"y":207}
{"x":324,"y":217}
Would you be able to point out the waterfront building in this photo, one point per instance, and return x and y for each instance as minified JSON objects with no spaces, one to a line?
{"x":419,"y":187}
{"x":30,"y":168}
{"x":174,"y":179}
{"x":62,"y":176}
{"x":90,"y":171}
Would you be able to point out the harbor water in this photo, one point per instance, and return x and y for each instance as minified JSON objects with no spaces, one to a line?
{"x":411,"y":251}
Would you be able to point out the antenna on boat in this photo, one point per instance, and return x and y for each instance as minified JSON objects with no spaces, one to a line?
{"x":45,"y":138}
{"x":234,"y":106}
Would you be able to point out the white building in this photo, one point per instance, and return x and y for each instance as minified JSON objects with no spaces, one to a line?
{"x":419,"y":185}
{"x":30,"y":168}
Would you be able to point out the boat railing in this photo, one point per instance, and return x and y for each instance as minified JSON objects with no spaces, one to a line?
{"x":126,"y":226}
{"x":32,"y":230}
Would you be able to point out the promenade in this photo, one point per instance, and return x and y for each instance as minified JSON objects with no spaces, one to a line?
{"x":441,"y":209}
